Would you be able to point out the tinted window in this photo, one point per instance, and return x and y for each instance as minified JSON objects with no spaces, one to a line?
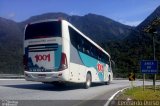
{"x":83,"y":45}
{"x":43,"y":30}
{"x":74,"y":37}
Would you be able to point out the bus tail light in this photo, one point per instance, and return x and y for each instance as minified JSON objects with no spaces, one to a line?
{"x":63,"y":64}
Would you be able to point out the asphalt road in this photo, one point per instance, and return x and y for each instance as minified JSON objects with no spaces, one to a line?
{"x":24,"y":93}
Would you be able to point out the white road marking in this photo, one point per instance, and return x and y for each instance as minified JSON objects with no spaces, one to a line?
{"x":111,"y":98}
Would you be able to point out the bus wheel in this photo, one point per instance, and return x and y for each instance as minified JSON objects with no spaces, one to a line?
{"x":109,"y":80}
{"x":88,"y":81}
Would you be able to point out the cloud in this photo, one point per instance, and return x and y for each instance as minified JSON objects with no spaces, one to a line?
{"x":131,"y":23}
{"x":73,"y":13}
{"x":11,"y":15}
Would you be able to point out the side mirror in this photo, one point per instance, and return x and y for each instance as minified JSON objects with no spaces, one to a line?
{"x":113,"y":64}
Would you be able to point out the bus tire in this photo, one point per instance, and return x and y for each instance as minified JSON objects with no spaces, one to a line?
{"x":88,"y":81}
{"x":109,"y":80}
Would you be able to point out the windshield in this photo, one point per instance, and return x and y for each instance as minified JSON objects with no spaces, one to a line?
{"x":43,"y":30}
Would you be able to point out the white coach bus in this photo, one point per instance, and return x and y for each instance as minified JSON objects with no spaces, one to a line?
{"x":56,"y":51}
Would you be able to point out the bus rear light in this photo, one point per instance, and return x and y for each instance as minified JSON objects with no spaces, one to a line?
{"x":63,"y":64}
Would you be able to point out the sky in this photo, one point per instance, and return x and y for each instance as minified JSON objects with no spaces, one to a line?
{"x":129,"y":12}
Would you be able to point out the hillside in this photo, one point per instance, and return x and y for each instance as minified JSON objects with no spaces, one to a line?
{"x":148,"y":20}
{"x":136,"y":47}
{"x":10,"y":46}
{"x":91,"y":24}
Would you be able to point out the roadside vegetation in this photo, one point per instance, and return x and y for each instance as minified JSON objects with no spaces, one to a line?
{"x":137,"y":93}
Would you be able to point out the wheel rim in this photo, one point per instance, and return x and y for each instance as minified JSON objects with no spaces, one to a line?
{"x":88,"y":81}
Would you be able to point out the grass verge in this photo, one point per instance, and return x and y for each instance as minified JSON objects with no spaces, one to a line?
{"x":137,"y":93}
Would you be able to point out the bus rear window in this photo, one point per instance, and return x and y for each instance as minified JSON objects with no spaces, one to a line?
{"x":43,"y":30}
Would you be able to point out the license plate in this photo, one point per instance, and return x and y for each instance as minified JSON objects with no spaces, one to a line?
{"x":41,"y":75}
{"x":37,"y":70}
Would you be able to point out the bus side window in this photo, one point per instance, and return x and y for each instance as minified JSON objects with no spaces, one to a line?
{"x":73,"y":35}
{"x":78,"y":46}
{"x":96,"y":54}
{"x":87,"y":46}
{"x":103,"y":58}
{"x":91,"y":50}
{"x":106,"y":60}
{"x":87,"y":51}
{"x":99,"y":57}
{"x":83,"y":50}
{"x":82,"y":45}
{"x":92,"y":53}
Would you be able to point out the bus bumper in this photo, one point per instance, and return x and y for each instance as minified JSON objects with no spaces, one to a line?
{"x":47,"y":76}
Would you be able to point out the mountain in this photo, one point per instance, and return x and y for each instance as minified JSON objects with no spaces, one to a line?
{"x":10,"y":46}
{"x":136,"y":47}
{"x":149,"y":19}
{"x":140,"y":36}
{"x":91,"y":25}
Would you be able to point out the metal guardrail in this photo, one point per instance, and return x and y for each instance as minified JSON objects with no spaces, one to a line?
{"x":11,"y":76}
